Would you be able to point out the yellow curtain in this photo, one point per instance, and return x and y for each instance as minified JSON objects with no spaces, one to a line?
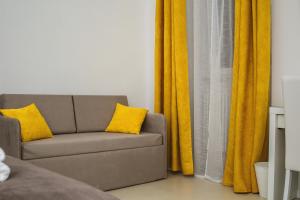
{"x":172,"y":83}
{"x":250,"y":94}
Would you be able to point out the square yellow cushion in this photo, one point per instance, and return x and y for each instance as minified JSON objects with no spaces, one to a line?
{"x":33,"y":124}
{"x":127,"y":120}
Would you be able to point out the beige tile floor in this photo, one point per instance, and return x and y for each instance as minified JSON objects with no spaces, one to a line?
{"x":177,"y":187}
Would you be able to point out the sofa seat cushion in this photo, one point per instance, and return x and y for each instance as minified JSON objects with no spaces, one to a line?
{"x":81,"y":143}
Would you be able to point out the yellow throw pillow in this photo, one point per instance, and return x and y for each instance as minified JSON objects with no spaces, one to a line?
{"x":33,"y":124}
{"x":127,"y":120}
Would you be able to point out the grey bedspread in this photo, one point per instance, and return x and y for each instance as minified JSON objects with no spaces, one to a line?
{"x":28,"y":182}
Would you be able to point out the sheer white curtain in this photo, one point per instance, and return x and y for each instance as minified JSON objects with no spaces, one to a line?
{"x":213,"y":52}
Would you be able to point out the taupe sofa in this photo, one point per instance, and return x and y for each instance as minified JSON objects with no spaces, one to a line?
{"x":80,"y":148}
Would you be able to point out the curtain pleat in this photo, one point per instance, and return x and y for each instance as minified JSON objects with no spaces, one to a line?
{"x":250,"y":94}
{"x":172,"y":82}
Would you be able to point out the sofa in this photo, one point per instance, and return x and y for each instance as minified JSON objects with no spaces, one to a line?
{"x":80,"y":148}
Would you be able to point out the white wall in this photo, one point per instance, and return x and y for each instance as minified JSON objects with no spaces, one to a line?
{"x":78,"y":47}
{"x":285,"y":44}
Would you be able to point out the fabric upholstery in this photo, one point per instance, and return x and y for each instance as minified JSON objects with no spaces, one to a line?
{"x":32,"y":123}
{"x":93,"y":113}
{"x":155,"y":123}
{"x":56,"y":109}
{"x":247,"y":136}
{"x":28,"y":182}
{"x":127,"y":119}
{"x":172,"y":96}
{"x":71,"y":144}
{"x":10,"y":136}
{"x":1,"y":101}
{"x":106,"y":161}
{"x":111,"y":169}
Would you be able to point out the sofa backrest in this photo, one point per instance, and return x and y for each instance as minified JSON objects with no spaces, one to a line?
{"x":93,"y":113}
{"x":57,"y":109}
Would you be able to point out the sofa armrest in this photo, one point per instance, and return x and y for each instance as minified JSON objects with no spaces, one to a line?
{"x":10,"y":140}
{"x":155,"y":123}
